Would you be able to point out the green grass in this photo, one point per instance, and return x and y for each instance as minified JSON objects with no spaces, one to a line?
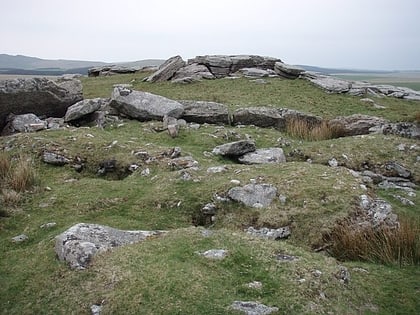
{"x":165,"y":275}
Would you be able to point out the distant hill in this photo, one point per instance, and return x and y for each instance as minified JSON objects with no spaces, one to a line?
{"x":20,"y":64}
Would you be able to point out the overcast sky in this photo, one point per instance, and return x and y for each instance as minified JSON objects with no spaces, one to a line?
{"x":362,"y":34}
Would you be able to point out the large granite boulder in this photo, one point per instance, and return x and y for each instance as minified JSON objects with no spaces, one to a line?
{"x":288,"y":71}
{"x":84,"y":107}
{"x":23,"y":123}
{"x":193,"y":71}
{"x":144,"y":106}
{"x":167,"y":70}
{"x":357,"y":124}
{"x":205,"y":112}
{"x":235,"y":149}
{"x":254,"y":195}
{"x":81,"y":242}
{"x":40,"y":96}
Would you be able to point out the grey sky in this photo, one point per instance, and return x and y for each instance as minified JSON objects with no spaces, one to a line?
{"x":363,"y":34}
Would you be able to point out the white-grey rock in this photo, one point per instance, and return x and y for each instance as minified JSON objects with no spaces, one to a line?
{"x":83,"y":108}
{"x":253,"y":308}
{"x":194,"y":71}
{"x":96,"y":309}
{"x":254,"y":72}
{"x":205,"y":112}
{"x":23,"y":123}
{"x":235,"y":149}
{"x":81,"y":242}
{"x":272,"y":234}
{"x":357,"y":124}
{"x":378,"y":211}
{"x":167,"y":70}
{"x":20,"y":238}
{"x":264,"y":156}
{"x":54,"y":158}
{"x":333,"y":162}
{"x":287,"y":71}
{"x":216,"y":254}
{"x":144,"y":106}
{"x":217,"y":169}
{"x":48,"y":225}
{"x":254,"y":194}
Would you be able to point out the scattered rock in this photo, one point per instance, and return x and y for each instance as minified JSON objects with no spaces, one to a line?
{"x":20,"y":238}
{"x":235,"y":149}
{"x":403,"y":129}
{"x":264,"y":156}
{"x":257,"y":285}
{"x":107,"y":166}
{"x":272,"y":234}
{"x":81,"y":242}
{"x":357,"y":124}
{"x":253,"y":308}
{"x":209,"y":209}
{"x":144,"y":106}
{"x":216,"y":254}
{"x":183,"y":162}
{"x":404,"y":201}
{"x":378,"y":211}
{"x":217,"y":169}
{"x":167,"y":70}
{"x":254,"y":195}
{"x":333,"y":162}
{"x":394,"y":169}
{"x":48,"y":225}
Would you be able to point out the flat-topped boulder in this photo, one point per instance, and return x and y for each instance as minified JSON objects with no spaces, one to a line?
{"x":205,"y":112}
{"x":144,"y":106}
{"x":40,"y":96}
{"x":84,"y":107}
{"x":357,"y":124}
{"x":287,"y":71}
{"x":235,"y":149}
{"x":79,"y":244}
{"x":110,"y":70}
{"x":263,"y":156}
{"x":254,"y":195}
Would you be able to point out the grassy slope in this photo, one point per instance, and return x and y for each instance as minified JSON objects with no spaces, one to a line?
{"x":165,"y":275}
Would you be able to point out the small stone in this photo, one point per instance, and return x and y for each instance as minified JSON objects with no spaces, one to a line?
{"x":48,"y":225}
{"x":145,"y":172}
{"x":216,"y":169}
{"x":284,"y":257}
{"x":209,"y":209}
{"x":217,"y":254}
{"x":316,"y":273}
{"x":343,"y":275}
{"x":282,"y":199}
{"x":333,"y":162}
{"x":48,"y":188}
{"x":235,"y":182}
{"x":254,"y":285}
{"x":96,"y":309}
{"x":253,"y":308}
{"x":20,"y":238}
{"x":401,"y":147}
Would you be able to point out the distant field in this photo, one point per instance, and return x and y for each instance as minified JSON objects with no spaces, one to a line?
{"x":406,"y":79}
{"x":16,"y":76}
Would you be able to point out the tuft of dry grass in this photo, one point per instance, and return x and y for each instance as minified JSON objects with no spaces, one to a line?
{"x":5,"y":166}
{"x":23,"y":175}
{"x":10,"y":197}
{"x":302,"y":129}
{"x":384,"y":245}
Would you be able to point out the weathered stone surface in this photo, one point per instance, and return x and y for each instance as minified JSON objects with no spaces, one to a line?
{"x":259,"y":116}
{"x":205,"y":112}
{"x":23,"y":123}
{"x":194,"y":71}
{"x":328,"y":83}
{"x":403,"y":129}
{"x":235,"y":149}
{"x":253,"y":308}
{"x":20,"y":238}
{"x":357,"y":124}
{"x":254,"y":72}
{"x":223,"y":65}
{"x":40,"y":96}
{"x":167,"y":70}
{"x":254,"y":195}
{"x":272,"y":234}
{"x":183,"y":162}
{"x":263,"y":116}
{"x":83,"y":108}
{"x":216,"y":254}
{"x":287,"y":71}
{"x":394,"y":169}
{"x":110,"y":70}
{"x":81,"y":242}
{"x":378,"y":211}
{"x":54,"y":158}
{"x":144,"y":106}
{"x":264,"y":156}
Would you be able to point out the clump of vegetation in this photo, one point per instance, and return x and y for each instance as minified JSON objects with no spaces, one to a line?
{"x":302,"y":129}
{"x":17,"y":176}
{"x":384,"y":244}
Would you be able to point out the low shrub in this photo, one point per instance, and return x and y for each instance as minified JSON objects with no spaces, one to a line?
{"x":383,"y":244}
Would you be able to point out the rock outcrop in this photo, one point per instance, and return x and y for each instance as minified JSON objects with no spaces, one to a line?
{"x":205,"y":112}
{"x":23,"y":123}
{"x":83,"y":108}
{"x":81,"y":242}
{"x":263,"y":156}
{"x":357,"y":124}
{"x":144,"y":106}
{"x":193,"y":71}
{"x":287,"y":71}
{"x":167,"y":70}
{"x":235,"y":149}
{"x":40,"y":96}
{"x":110,"y":70}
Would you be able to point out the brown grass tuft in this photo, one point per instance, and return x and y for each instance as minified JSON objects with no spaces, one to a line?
{"x":10,"y":197}
{"x":302,"y":129}
{"x":381,"y":245}
{"x":5,"y":166}
{"x":23,"y":176}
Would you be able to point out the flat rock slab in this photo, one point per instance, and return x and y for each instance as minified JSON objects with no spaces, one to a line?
{"x":81,"y":242}
{"x":254,"y":195}
{"x":83,"y":108}
{"x":264,"y":156}
{"x":205,"y":112}
{"x":271,"y":234}
{"x":144,"y":106}
{"x":235,"y":149}
{"x":253,"y":308}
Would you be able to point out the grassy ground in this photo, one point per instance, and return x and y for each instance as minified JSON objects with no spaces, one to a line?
{"x":166,"y":275}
